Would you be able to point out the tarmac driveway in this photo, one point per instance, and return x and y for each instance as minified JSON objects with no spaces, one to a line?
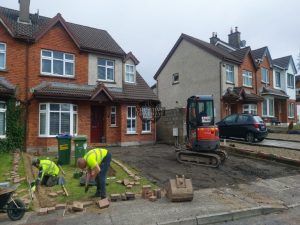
{"x":158,"y":163}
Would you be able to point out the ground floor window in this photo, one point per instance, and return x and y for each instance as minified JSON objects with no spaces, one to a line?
{"x":268,"y":107}
{"x":250,"y":109}
{"x":113,"y":116}
{"x":57,"y":118}
{"x":2,"y":119}
{"x":131,"y":119}
{"x":291,"y":110}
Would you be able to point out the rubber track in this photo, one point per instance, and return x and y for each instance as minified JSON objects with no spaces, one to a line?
{"x":194,"y":155}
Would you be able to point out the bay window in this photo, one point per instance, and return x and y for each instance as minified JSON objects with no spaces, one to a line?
{"x":2,"y":120}
{"x":291,"y":110}
{"x":268,"y":107}
{"x":57,"y":118}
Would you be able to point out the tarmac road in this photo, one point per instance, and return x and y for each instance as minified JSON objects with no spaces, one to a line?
{"x":280,"y":143}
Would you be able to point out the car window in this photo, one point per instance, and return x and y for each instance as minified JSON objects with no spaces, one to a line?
{"x":230,"y":119}
{"x":258,"y":119}
{"x":244,"y":119}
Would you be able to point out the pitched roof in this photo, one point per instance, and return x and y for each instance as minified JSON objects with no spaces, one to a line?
{"x":6,"y":88}
{"x":241,"y":53}
{"x":239,"y":93}
{"x":284,"y":62}
{"x":88,"y":38}
{"x":259,"y":54}
{"x":131,"y":92}
{"x":214,"y":50}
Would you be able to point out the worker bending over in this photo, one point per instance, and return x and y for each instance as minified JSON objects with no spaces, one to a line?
{"x":97,"y":162}
{"x":48,"y":172}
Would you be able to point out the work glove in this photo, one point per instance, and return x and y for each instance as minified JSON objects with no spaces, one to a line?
{"x":33,"y":188}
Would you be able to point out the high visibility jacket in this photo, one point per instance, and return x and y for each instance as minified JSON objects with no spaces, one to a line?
{"x":47,"y":167}
{"x":95,"y":157}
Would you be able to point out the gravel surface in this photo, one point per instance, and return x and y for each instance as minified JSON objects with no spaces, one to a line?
{"x":158,"y":163}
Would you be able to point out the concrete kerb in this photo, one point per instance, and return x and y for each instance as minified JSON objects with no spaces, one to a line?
{"x":278,"y":139}
{"x":225,"y":216}
{"x":262,"y":155}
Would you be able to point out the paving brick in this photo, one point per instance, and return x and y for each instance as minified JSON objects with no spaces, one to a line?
{"x":136,"y":178}
{"x":146,"y":191}
{"x":131,"y":183}
{"x":115,"y":197}
{"x":77,"y":206}
{"x":60,"y":206}
{"x":52,"y":194}
{"x":103,"y":203}
{"x":152,"y":198}
{"x":125,"y":182}
{"x":157,"y":193}
{"x":88,"y":203}
{"x":130,"y":195}
{"x":119,"y":181}
{"x":50,"y":209}
{"x":60,"y":192}
{"x":123,"y":197}
{"x":137,"y":183}
{"x":42,"y":211}
{"x":129,"y":186}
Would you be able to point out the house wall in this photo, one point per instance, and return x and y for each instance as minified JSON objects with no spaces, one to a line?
{"x":291,"y":92}
{"x":199,"y":74}
{"x":283,"y":81}
{"x":249,"y":66}
{"x":93,"y":70}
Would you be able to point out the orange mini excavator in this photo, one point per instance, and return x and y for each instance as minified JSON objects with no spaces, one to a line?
{"x":203,"y":142}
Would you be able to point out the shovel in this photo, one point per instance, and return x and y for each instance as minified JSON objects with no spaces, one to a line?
{"x":61,"y":182}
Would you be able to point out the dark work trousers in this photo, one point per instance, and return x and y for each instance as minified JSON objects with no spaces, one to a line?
{"x":101,"y":177}
{"x":49,"y":181}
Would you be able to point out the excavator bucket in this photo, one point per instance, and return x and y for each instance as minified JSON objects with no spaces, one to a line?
{"x":180,"y":189}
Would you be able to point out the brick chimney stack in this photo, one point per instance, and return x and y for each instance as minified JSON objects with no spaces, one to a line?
{"x":24,"y":11}
{"x":214,"y":38}
{"x":234,"y":38}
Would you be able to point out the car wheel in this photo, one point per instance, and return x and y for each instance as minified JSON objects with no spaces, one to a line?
{"x":250,"y":137}
{"x":260,"y":139}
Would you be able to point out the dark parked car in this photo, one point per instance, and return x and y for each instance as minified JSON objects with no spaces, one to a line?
{"x":247,"y":126}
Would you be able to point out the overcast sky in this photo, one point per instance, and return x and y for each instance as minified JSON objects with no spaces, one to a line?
{"x":150,"y":28}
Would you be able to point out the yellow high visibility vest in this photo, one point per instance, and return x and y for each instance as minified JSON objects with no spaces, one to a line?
{"x":48,"y":168}
{"x":95,"y":157}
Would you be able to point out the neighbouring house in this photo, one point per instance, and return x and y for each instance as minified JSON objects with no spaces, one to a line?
{"x":298,"y":96}
{"x":71,"y":79}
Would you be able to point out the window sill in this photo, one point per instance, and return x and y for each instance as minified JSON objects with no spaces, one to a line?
{"x":2,"y":137}
{"x":4,"y":70}
{"x":106,"y":81}
{"x":130,"y":83}
{"x":131,"y":133}
{"x":113,"y":126}
{"x":246,"y":86}
{"x":58,"y":76}
{"x":291,"y":117}
{"x":175,"y":82}
{"x":229,"y":82}
{"x":146,"y":132}
{"x":264,"y":82}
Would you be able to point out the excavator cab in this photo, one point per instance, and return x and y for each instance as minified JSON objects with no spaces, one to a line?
{"x":202,"y":134}
{"x":203,"y":142}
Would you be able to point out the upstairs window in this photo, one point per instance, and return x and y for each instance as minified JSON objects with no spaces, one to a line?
{"x":175,"y":78}
{"x":291,"y":110}
{"x":106,"y":70}
{"x":264,"y":75}
{"x":277,"y":79}
{"x":290,"y":81}
{"x":2,"y":56}
{"x":129,"y":74}
{"x":57,"y":63}
{"x":2,"y":120}
{"x":247,"y":78}
{"x":229,"y":73}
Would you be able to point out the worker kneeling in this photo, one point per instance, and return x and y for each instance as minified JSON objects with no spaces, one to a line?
{"x":97,"y":162}
{"x":48,"y":173}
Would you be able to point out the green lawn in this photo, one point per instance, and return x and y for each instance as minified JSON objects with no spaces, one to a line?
{"x":5,"y":165}
{"x":76,"y":192}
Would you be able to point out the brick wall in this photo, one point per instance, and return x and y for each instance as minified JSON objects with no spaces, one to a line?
{"x":249,"y":66}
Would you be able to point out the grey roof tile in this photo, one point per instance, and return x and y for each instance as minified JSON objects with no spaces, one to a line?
{"x":6,"y":87}
{"x":282,"y":62}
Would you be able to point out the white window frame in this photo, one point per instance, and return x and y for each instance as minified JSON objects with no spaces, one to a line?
{"x":4,"y":53}
{"x":175,"y":78}
{"x":130,"y":119}
{"x":291,"y":110}
{"x":250,"y":109}
{"x":146,"y":119}
{"x":47,"y":111}
{"x":113,"y":112}
{"x":266,"y":78}
{"x":290,"y":81}
{"x":106,"y":66}
{"x":269,"y":102}
{"x":277,"y":78}
{"x":64,"y":60}
{"x":129,"y":74}
{"x":229,"y":73}
{"x":3,"y":110}
{"x":247,"y":75}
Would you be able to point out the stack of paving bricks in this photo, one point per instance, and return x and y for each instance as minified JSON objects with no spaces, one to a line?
{"x":124,"y":197}
{"x":75,"y":207}
{"x":148,"y":193}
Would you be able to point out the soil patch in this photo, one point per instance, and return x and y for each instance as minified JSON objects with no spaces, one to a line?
{"x":158,"y":163}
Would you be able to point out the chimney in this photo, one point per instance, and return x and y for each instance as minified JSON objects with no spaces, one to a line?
{"x":24,"y":11}
{"x":234,"y":38}
{"x":214,"y":38}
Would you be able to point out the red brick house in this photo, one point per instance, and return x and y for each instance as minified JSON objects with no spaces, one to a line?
{"x":71,"y":79}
